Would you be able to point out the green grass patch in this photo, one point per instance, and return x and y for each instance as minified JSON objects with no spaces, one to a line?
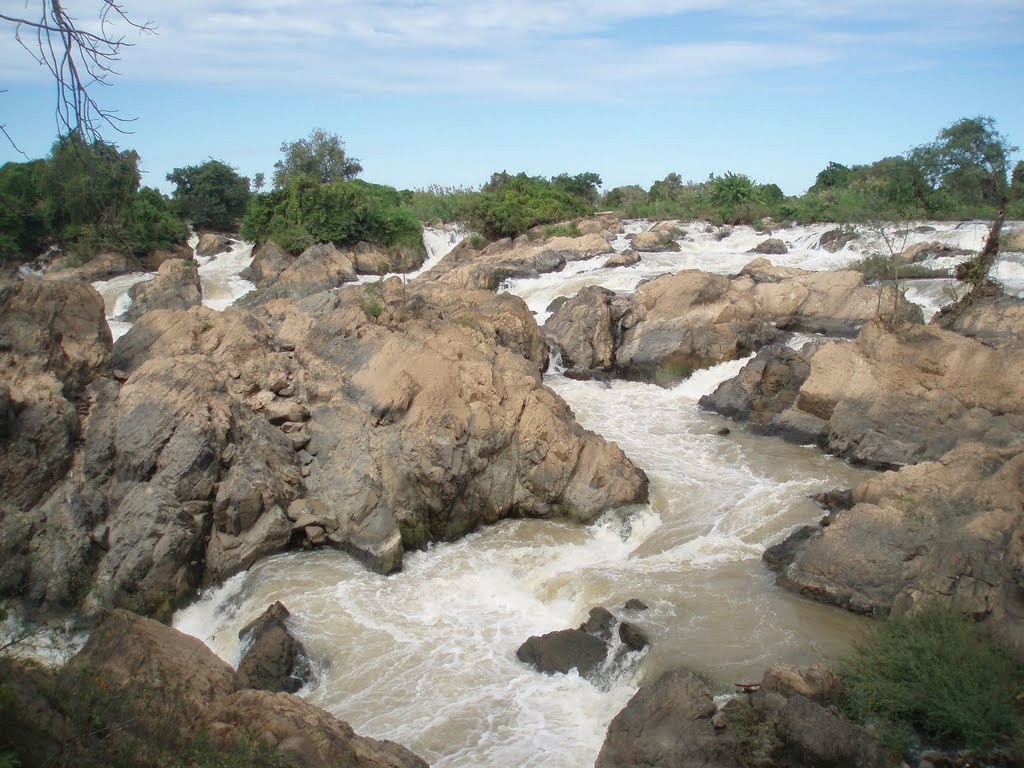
{"x":561,"y":230}
{"x":940,"y":674}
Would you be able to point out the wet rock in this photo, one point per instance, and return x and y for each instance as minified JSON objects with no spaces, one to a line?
{"x":564,"y":650}
{"x":669,"y":724}
{"x":633,"y":637}
{"x":634,"y":604}
{"x":211,"y":244}
{"x":655,"y":241}
{"x":836,"y":239}
{"x":153,"y":260}
{"x":773,"y":246}
{"x":583,"y":329}
{"x":176,"y":286}
{"x":779,"y":556}
{"x":628,"y":258}
{"x":600,"y":622}
{"x":274,"y":660}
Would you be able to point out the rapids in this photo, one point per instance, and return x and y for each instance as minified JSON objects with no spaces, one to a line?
{"x":426,"y":657}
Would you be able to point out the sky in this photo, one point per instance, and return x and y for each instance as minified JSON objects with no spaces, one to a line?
{"x":447,"y":92}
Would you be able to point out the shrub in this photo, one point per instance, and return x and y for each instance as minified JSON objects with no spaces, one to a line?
{"x":211,"y":195}
{"x":511,"y":205}
{"x":939,"y":673}
{"x":562,"y":230}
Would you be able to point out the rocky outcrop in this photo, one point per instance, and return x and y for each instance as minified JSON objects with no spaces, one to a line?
{"x":467,"y":268}
{"x":268,"y":261}
{"x":655,"y":241}
{"x":141,"y":693}
{"x":367,"y":419}
{"x":154,"y":259}
{"x":929,"y":250}
{"x":373,"y":260}
{"x":836,"y":239}
{"x":678,"y":323}
{"x":274,"y":659}
{"x":996,"y":322}
{"x":949,"y":529}
{"x":888,"y":398}
{"x":78,"y":269}
{"x":318,"y":268}
{"x":674,"y":723}
{"x":176,"y":286}
{"x":668,"y":724}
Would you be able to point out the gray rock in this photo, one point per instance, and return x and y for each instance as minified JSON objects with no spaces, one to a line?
{"x":274,"y":660}
{"x":563,"y":651}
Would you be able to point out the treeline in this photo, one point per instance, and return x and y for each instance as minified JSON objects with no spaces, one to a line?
{"x":963,"y":174}
{"x":86,"y":197}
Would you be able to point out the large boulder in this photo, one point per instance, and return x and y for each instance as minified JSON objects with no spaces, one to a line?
{"x":318,"y":268}
{"x":655,"y":241}
{"x":152,"y":260}
{"x":582,"y":329}
{"x":78,"y":269}
{"x":773,"y":246}
{"x":212,"y":244}
{"x":948,"y":529}
{"x":565,"y":650}
{"x":274,"y":659}
{"x":668,"y":724}
{"x":176,"y":286}
{"x":268,"y":261}
{"x":373,"y":260}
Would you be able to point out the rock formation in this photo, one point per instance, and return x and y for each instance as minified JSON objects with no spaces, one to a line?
{"x":176,"y":286}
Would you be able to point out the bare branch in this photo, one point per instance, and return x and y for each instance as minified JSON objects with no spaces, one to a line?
{"x":78,"y":60}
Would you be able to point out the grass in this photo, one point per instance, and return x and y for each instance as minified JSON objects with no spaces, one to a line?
{"x":561,"y":230}
{"x":938,"y":674}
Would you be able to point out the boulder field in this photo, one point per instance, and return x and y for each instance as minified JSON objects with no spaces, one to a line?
{"x":374,"y":419}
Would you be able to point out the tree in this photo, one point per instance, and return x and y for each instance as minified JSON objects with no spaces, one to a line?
{"x":79,"y":57}
{"x":321,"y":157}
{"x":583,"y":185}
{"x":212,"y":195}
{"x":834,"y":175}
{"x":972,"y":151}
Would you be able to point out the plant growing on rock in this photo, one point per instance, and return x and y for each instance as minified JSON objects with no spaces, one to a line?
{"x":940,"y":674}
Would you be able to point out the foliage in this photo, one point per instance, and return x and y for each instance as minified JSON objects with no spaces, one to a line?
{"x":442,"y":204}
{"x":321,"y":157}
{"x":833,"y":176}
{"x":940,"y":673}
{"x":562,"y":230}
{"x":212,"y":195}
{"x":344,"y":213}
{"x":23,"y":230}
{"x":585,"y":186}
{"x":508,"y":206}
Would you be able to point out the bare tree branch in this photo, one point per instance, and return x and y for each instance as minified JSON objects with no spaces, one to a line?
{"x":78,"y":60}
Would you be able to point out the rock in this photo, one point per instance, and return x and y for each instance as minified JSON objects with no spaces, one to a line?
{"x":303,"y":734}
{"x":633,"y":637}
{"x":773,"y":246}
{"x":1013,"y":240}
{"x":269,"y":260}
{"x":655,"y":241}
{"x":274,"y":660}
{"x":929,"y":250}
{"x":836,"y":239}
{"x":817,"y":682}
{"x":997,"y":323}
{"x":945,"y":530}
{"x":372,"y":260}
{"x":633,"y":604}
{"x":73,"y":268}
{"x":779,"y":556}
{"x":153,"y":260}
{"x":176,"y":286}
{"x":669,"y":724}
{"x":563,"y":651}
{"x":582,"y":329}
{"x":823,"y":738}
{"x":628,"y":258}
{"x":319,"y":268}
{"x":464,"y":267}
{"x":600,"y":622}
{"x":211,"y":244}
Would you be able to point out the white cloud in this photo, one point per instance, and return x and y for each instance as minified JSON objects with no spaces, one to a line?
{"x":527,"y":48}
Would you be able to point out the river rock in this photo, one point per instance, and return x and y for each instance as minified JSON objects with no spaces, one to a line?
{"x":78,"y":269}
{"x":948,"y":529}
{"x":176,"y":286}
{"x":773,"y":246}
{"x":818,"y":682}
{"x":628,"y":258}
{"x":274,"y":660}
{"x":1013,"y":240}
{"x":676,"y":324}
{"x":466,"y":268}
{"x":888,"y":398}
{"x":211,"y":244}
{"x":996,"y":322}
{"x":836,"y":239}
{"x":154,"y":259}
{"x":817,"y":737}
{"x":655,"y":241}
{"x":318,"y":268}
{"x":141,"y":689}
{"x":563,"y":651}
{"x":668,"y":724}
{"x":269,"y":260}
{"x":373,"y":260}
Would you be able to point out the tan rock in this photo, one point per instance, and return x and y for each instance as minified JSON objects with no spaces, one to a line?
{"x":211,"y":244}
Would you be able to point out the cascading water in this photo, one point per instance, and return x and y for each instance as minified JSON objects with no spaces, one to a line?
{"x":427,"y":657}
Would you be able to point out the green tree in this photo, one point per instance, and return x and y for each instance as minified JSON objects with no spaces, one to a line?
{"x":321,"y":157}
{"x":212,"y":195}
{"x":510,"y":205}
{"x":833,"y":176}
{"x":23,"y":228}
{"x":585,"y":186}
{"x":972,"y":154}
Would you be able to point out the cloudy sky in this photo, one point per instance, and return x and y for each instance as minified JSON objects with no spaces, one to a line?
{"x":446,"y":91}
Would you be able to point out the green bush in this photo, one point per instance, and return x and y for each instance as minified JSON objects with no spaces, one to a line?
{"x":212,"y":195}
{"x":437,"y":204}
{"x":511,"y":205}
{"x":344,"y":213}
{"x":939,"y":673}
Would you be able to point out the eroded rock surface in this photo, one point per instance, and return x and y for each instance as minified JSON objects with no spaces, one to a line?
{"x":176,"y":286}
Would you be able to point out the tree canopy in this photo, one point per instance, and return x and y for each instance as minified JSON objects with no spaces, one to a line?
{"x":212,"y":195}
{"x":321,"y":156}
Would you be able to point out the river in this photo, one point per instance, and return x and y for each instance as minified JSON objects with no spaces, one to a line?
{"x":426,"y":657}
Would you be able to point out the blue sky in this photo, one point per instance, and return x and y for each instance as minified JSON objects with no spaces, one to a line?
{"x":446,"y":92}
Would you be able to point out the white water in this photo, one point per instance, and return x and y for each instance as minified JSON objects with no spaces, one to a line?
{"x":427,"y":657}
{"x":438,"y":243}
